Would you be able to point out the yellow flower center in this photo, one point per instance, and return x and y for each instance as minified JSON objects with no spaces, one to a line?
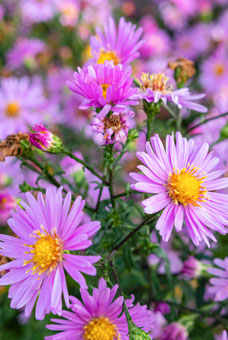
{"x":156,"y":82}
{"x":108,"y":55}
{"x":185,"y":187}
{"x":3,"y":202}
{"x":219,"y":70}
{"x":70,"y":11}
{"x":104,"y":89}
{"x":12,"y":109}
{"x":100,"y":329}
{"x":47,"y":251}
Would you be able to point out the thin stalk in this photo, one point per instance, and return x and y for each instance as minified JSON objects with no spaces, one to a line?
{"x":90,"y":168}
{"x":171,"y":112}
{"x":116,"y":247}
{"x":206,"y":121}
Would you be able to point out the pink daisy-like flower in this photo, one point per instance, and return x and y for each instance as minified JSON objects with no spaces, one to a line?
{"x":24,"y":51}
{"x":21,"y":103}
{"x":38,"y":10}
{"x":184,"y":186}
{"x":222,"y":336}
{"x":157,"y":87}
{"x":192,"y":268}
{"x":47,"y":230}
{"x":174,"y":331}
{"x":99,"y":317}
{"x":114,"y":128}
{"x":69,"y":12}
{"x":118,"y":45}
{"x":214,"y":73}
{"x":105,"y":86}
{"x":220,"y":283}
{"x":7,"y":202}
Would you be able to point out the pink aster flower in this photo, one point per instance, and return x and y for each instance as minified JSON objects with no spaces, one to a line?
{"x":214,"y":73}
{"x":184,"y":186}
{"x":44,"y":139}
{"x":24,"y":51}
{"x":192,"y":268}
{"x":7,"y":202}
{"x":119,"y":45}
{"x":69,"y":12}
{"x":174,"y":331}
{"x":220,"y":283}
{"x":47,"y":230}
{"x":21,"y":102}
{"x":222,"y":336}
{"x":157,"y":87}
{"x":157,"y":40}
{"x":188,"y":47}
{"x":99,"y":316}
{"x":114,"y":128}
{"x":38,"y":10}
{"x":105,"y":86}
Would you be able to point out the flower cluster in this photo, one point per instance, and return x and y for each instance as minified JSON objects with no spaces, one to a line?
{"x":114,"y":169}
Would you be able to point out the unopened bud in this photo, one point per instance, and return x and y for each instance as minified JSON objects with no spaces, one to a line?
{"x":45,"y":140}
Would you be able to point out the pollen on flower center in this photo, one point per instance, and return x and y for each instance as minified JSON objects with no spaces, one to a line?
{"x":12,"y":109}
{"x":104,"y":89}
{"x":100,"y":328}
{"x":185,"y":186}
{"x":69,"y":10}
{"x":46,"y":252}
{"x":156,"y":82}
{"x":219,"y":70}
{"x":109,"y":56}
{"x":112,"y":122}
{"x":3,"y":202}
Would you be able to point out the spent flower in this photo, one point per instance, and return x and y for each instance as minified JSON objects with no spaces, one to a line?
{"x":114,"y":127}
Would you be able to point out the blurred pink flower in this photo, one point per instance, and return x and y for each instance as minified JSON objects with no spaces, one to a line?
{"x":38,"y":11}
{"x":24,"y":51}
{"x":21,"y":102}
{"x":120,"y":45}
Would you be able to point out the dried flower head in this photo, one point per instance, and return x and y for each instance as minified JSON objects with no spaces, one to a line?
{"x":11,"y":146}
{"x":184,"y":69}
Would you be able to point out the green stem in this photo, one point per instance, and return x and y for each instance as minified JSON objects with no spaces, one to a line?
{"x":108,"y":169}
{"x":116,"y":247}
{"x":44,"y":170}
{"x":125,"y":193}
{"x":171,"y":112}
{"x":203,"y":313}
{"x":179,"y":120}
{"x":90,"y":168}
{"x":206,"y":121}
{"x":151,"y":110}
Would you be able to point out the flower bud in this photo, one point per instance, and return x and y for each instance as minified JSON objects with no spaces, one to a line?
{"x":174,"y":331}
{"x":192,"y":268}
{"x":45,"y":140}
{"x":136,"y":333}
